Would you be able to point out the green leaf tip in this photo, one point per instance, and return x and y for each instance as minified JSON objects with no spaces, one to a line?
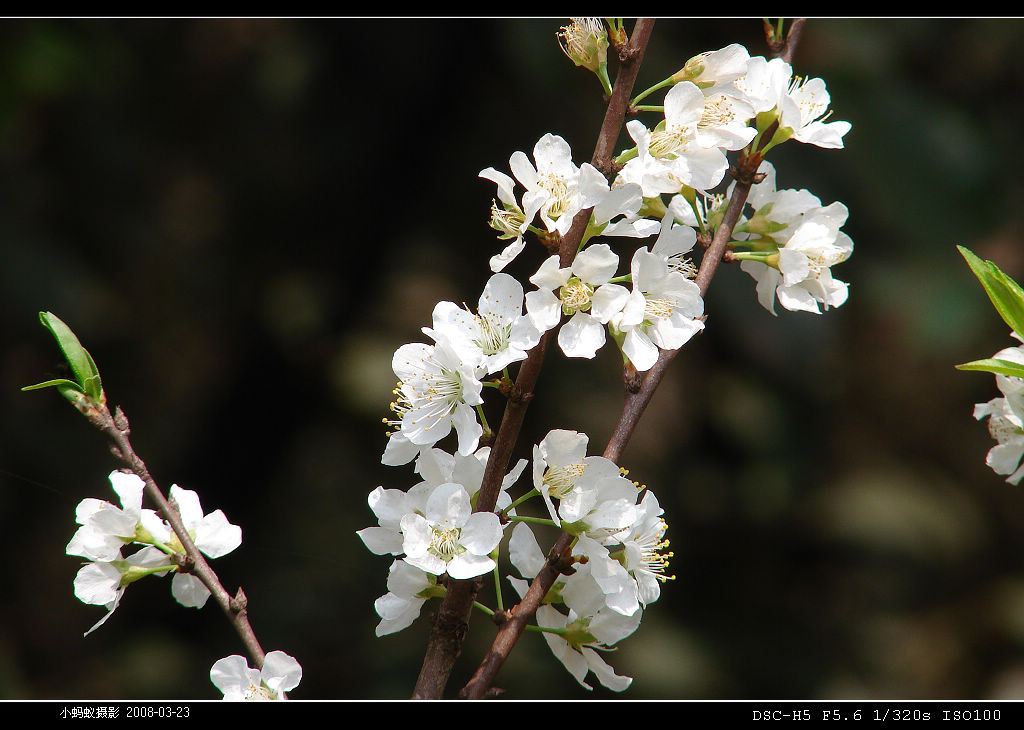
{"x":87,"y":376}
{"x":1006,"y":295}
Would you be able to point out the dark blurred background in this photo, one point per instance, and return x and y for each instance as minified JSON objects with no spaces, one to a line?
{"x":243,"y":219}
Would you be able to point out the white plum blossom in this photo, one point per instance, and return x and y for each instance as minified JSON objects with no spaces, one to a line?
{"x":765,"y":83}
{"x":436,"y":392}
{"x":725,"y":122}
{"x":674,"y":242}
{"x":680,"y":152}
{"x":1006,"y":420}
{"x":409,"y":588}
{"x":804,"y":109}
{"x":800,"y":106}
{"x":625,"y":200}
{"x":581,"y":638}
{"x":715,"y":71}
{"x":644,"y":548}
{"x":584,"y":294}
{"x":556,"y":188}
{"x":497,"y":335}
{"x":511,"y":221}
{"x":662,"y":311}
{"x":1007,"y":428}
{"x":103,"y":583}
{"x":561,"y":467}
{"x":212,"y":534}
{"x":616,"y":588}
{"x":802,"y":278}
{"x":390,"y":506}
{"x":105,"y":529}
{"x":232,"y":675}
{"x":600,"y":503}
{"x":449,"y":537}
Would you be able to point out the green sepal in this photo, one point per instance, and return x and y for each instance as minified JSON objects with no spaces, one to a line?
{"x":993,"y":365}
{"x":79,"y":360}
{"x":1005,"y":293}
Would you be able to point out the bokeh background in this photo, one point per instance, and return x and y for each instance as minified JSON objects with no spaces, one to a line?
{"x":243,"y":219}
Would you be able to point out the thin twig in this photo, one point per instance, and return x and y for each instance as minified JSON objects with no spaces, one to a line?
{"x":116,"y":429}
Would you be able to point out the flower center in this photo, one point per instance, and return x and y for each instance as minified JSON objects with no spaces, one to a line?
{"x":659,"y":308}
{"x":509,"y":223}
{"x":558,"y":192}
{"x":575,"y":296}
{"x":718,"y":112}
{"x":561,"y":479}
{"x":665,"y":142}
{"x":259,"y":694}
{"x":445,"y":542}
{"x":492,"y":336}
{"x":811,"y":104}
{"x":819,"y":261}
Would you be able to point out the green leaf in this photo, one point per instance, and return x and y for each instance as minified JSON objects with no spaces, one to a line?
{"x":82,"y":365}
{"x":992,"y":365}
{"x":59,"y":382}
{"x":1006,"y":295}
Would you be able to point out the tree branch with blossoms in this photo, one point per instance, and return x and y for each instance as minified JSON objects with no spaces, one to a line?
{"x":448,"y":533}
{"x":179,"y":543}
{"x":607,"y":564}
{"x":637,"y":397}
{"x":445,"y":641}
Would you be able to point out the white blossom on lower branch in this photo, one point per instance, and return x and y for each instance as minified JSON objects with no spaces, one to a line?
{"x":234,"y":677}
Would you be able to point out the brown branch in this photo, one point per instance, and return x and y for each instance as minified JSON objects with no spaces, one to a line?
{"x":445,"y":641}
{"x":116,"y":429}
{"x":615,"y":115}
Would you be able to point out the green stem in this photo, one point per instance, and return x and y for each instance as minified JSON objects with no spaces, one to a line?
{"x":627,"y":156}
{"x":648,"y":92}
{"x":483,"y":420}
{"x":533,"y":520}
{"x":651,"y":108}
{"x":528,"y":495}
{"x":482,"y":607}
{"x":545,"y":630}
{"x":497,"y":588}
{"x":602,"y":75}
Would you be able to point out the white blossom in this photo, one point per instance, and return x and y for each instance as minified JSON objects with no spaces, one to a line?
{"x":212,"y":534}
{"x":449,"y":537}
{"x":561,"y":468}
{"x":409,"y":588}
{"x":662,"y":311}
{"x":556,"y":187}
{"x":105,"y":529}
{"x":232,"y":675}
{"x":511,"y":221}
{"x":584,"y":294}
{"x":436,"y":392}
{"x":497,"y":335}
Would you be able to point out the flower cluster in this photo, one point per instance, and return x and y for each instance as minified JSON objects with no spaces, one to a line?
{"x":106,"y":530}
{"x":793,"y":242}
{"x":630,"y":281}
